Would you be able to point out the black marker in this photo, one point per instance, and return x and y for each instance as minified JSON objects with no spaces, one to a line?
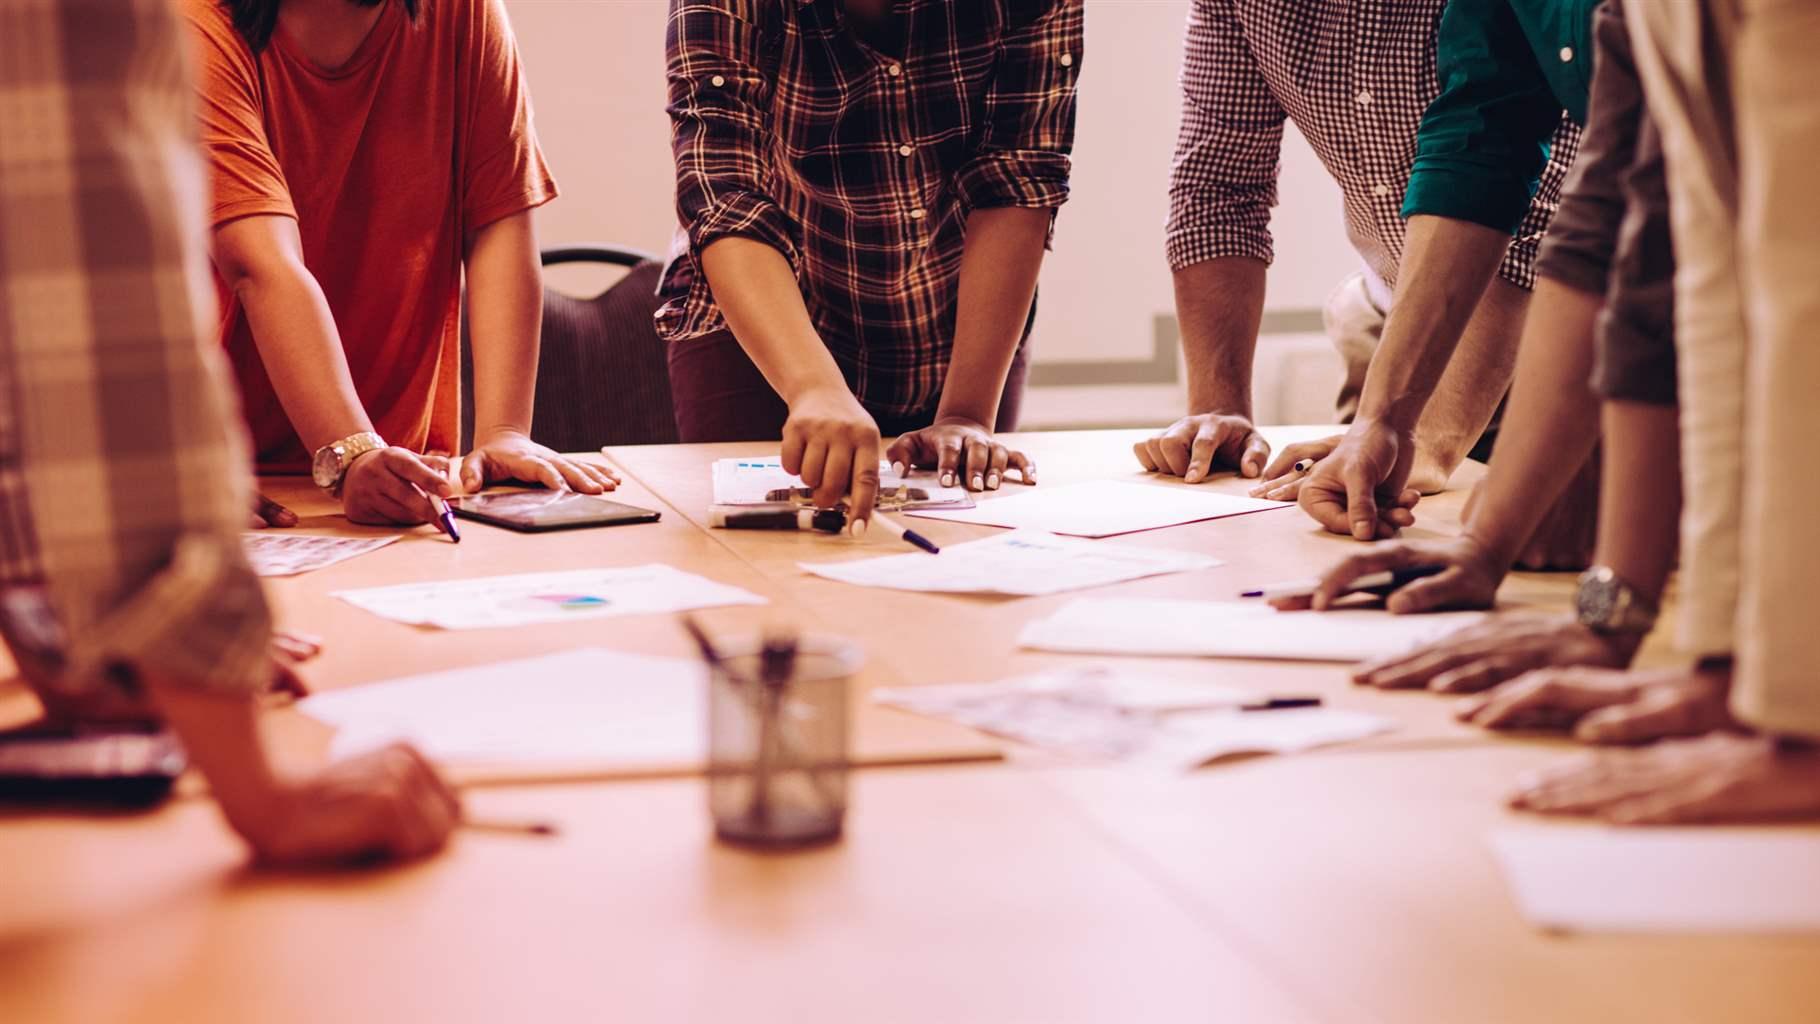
{"x":1379,"y":583}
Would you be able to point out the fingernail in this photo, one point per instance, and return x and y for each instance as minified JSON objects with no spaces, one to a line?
{"x":978,"y":484}
{"x":858,"y":527}
{"x":898,"y":468}
{"x":1193,"y":477}
{"x":947,"y":479}
{"x":992,"y":482}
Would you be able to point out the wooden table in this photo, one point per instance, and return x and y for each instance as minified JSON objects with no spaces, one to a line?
{"x":1345,"y":885}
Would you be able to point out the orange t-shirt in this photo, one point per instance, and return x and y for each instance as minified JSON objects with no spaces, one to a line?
{"x":386,"y":163}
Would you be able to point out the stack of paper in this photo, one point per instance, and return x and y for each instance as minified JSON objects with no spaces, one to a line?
{"x":283,"y":553}
{"x":1220,"y":629}
{"x":1095,"y":714}
{"x":1589,"y":878}
{"x":1105,"y":508}
{"x":1024,"y":563}
{"x":590,"y":711}
{"x":547,"y":597}
{"x":762,"y":481}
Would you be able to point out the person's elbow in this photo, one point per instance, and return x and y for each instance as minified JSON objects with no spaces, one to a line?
{"x":252,"y":260}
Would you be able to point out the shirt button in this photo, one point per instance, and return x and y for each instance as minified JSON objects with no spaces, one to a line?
{"x":918,"y":214}
{"x":904,"y":151}
{"x":1067,"y":60}
{"x":1380,"y":190}
{"x":1363,"y":98}
{"x":717,"y":81}
{"x":895,"y":70}
{"x":1567,"y":54}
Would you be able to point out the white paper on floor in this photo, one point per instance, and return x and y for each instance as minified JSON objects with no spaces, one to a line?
{"x":283,"y":553}
{"x":589,"y":708}
{"x":1712,"y":879}
{"x":1229,"y":629}
{"x":537,"y":597}
{"x":760,"y":481}
{"x":1023,"y":563}
{"x":1104,"y":508}
{"x":1101,"y":714}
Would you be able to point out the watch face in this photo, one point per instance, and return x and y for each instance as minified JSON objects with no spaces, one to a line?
{"x":325,"y":468}
{"x":1597,"y":601}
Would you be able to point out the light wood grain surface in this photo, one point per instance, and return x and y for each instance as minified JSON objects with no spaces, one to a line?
{"x":1346,"y":885}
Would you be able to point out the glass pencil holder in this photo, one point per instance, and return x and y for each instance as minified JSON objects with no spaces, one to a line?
{"x":777,"y":743}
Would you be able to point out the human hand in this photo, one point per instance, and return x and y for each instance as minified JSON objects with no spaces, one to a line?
{"x":1721,"y":777}
{"x":388,"y":487}
{"x":510,"y":455}
{"x":1606,"y":705}
{"x":1358,"y":490}
{"x":960,"y":450}
{"x":1283,"y":477}
{"x":832,"y":443}
{"x":267,"y":512}
{"x":390,"y":803}
{"x":1500,"y":648}
{"x":1469,"y":576}
{"x":290,"y":650}
{"x":1196,"y":445}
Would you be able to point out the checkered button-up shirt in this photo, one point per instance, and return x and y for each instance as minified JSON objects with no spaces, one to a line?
{"x":1355,"y":76}
{"x":861,"y":166}
{"x":123,"y":466}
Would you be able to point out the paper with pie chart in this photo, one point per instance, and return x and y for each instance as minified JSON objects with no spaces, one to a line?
{"x":537,"y":597}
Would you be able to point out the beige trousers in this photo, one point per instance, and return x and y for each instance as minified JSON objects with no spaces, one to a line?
{"x":1735,"y":88}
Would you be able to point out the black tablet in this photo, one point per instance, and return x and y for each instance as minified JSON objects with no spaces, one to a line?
{"x":540,"y":511}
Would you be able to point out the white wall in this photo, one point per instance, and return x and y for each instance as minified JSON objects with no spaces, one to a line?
{"x":596,"y":70}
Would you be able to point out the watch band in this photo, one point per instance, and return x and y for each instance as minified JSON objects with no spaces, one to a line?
{"x":346,"y":451}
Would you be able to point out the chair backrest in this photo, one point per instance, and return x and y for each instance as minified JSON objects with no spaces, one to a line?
{"x":602,"y":377}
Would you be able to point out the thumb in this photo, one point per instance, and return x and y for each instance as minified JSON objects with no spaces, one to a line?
{"x":1257,"y":453}
{"x":1650,"y":718}
{"x":473,"y":473}
{"x":1442,"y":590}
{"x":1361,"y":502}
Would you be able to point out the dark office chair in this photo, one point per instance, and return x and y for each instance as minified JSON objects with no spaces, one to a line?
{"x":602,"y":377}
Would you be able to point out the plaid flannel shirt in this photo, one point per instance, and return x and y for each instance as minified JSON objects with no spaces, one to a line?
{"x":1356,"y":77}
{"x":861,"y":166}
{"x":123,"y":469}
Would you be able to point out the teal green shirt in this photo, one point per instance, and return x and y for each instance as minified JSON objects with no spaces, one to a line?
{"x":1508,"y":69}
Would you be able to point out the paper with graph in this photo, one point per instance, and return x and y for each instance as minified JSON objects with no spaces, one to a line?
{"x":537,"y":597}
{"x":275,"y":553}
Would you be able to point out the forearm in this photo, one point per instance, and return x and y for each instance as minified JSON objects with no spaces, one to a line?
{"x":999,"y":266}
{"x":1551,"y":424}
{"x":505,"y":318}
{"x":1219,"y":304}
{"x":301,"y":349}
{"x":1475,"y":380}
{"x":221,"y":735}
{"x":759,"y":296}
{"x":1446,"y":267}
{"x":1640,"y":493}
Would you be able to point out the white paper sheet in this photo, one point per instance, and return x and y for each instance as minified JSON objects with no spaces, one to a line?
{"x":1714,"y":879}
{"x":1101,"y":714}
{"x":1103,"y":508}
{"x":1023,"y":563}
{"x":752,"y":481}
{"x":583,"y":709}
{"x":547,"y":597}
{"x":1223,"y":629}
{"x":283,"y":553}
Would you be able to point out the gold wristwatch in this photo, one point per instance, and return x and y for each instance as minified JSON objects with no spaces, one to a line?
{"x":329,"y":467}
{"x":1608,"y":604}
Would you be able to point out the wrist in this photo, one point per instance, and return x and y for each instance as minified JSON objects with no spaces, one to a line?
{"x":1218,"y":402}
{"x":503,"y":432}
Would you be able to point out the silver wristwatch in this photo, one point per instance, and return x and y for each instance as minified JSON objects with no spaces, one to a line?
{"x":329,"y":466}
{"x":1607,"y":604}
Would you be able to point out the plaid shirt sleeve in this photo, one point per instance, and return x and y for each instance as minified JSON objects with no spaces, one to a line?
{"x":1484,"y":140}
{"x":1223,"y":182}
{"x":720,"y":100}
{"x":123,"y":467}
{"x":1023,"y":159}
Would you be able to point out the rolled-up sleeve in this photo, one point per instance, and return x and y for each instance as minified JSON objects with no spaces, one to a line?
{"x":1023,"y":159}
{"x":123,"y":460}
{"x":1223,"y":181}
{"x":1484,"y":139}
